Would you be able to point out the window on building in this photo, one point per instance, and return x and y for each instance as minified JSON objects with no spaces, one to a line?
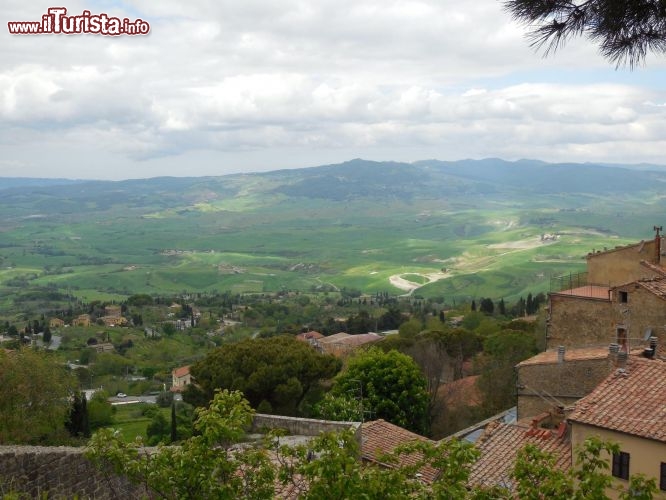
{"x":621,"y":465}
{"x":662,"y":477}
{"x":624,"y":297}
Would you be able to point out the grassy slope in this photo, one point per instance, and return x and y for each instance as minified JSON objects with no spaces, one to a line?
{"x":350,"y":226}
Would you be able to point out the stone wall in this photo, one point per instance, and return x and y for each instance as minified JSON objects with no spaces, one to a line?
{"x":576,"y":321}
{"x":622,"y":265}
{"x":58,"y":473}
{"x":61,"y":472}
{"x":302,"y":426}
{"x":566,"y":382}
{"x":643,"y":311}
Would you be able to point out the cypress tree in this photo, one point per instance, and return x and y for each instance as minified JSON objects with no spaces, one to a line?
{"x":174,"y":427}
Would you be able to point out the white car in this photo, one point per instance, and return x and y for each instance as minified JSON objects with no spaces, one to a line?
{"x":121,"y":395}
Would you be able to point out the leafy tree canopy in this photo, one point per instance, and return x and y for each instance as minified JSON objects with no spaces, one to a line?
{"x":34,"y":397}
{"x":328,"y":467}
{"x":626,"y":30}
{"x":280,"y":371}
{"x":391,"y":385}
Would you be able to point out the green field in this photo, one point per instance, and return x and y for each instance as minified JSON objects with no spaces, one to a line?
{"x":316,"y":229}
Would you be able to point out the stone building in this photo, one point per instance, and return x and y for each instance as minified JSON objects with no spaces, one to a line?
{"x":593,"y":309}
{"x":559,"y":378}
{"x":628,"y":408}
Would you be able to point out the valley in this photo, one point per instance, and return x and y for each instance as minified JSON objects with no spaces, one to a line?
{"x":452,"y":230}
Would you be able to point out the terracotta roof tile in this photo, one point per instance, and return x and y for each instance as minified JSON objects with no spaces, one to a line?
{"x":654,"y":267}
{"x":657,"y":286}
{"x":361,"y":339}
{"x":499,"y":444}
{"x":309,"y":335}
{"x":577,"y":354}
{"x":333,"y":338}
{"x":181,"y":371}
{"x":632,"y":401}
{"x":381,"y":437}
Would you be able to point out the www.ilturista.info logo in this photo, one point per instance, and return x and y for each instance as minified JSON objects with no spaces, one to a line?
{"x":57,"y":22}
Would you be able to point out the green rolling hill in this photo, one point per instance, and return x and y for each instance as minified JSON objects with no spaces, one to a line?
{"x":459,"y":230}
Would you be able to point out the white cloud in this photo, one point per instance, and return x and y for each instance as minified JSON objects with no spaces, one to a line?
{"x":246,"y":82}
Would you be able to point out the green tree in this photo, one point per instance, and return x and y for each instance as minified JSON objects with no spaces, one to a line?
{"x":339,"y":408}
{"x":487,"y":306}
{"x":280,"y":370}
{"x":203,"y":466}
{"x":46,"y":336}
{"x":100,"y":411}
{"x":391,"y":385}
{"x":77,"y":423}
{"x":411,"y":328}
{"x":174,"y":423}
{"x":34,"y":397}
{"x":625,"y":30}
{"x":501,"y":352}
{"x":328,"y":467}
{"x":158,"y":430}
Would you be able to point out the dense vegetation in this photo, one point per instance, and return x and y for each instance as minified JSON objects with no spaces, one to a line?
{"x":208,"y":465}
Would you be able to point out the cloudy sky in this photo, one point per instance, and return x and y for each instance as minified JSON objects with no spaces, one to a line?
{"x":222,"y":86}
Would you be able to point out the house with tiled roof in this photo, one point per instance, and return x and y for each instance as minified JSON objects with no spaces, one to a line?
{"x":500,"y":443}
{"x":181,"y":378}
{"x":379,"y":438}
{"x":311,"y":337}
{"x":628,"y":408}
{"x":341,"y":344}
{"x":559,"y":377}
{"x":621,"y":296}
{"x":56,"y":323}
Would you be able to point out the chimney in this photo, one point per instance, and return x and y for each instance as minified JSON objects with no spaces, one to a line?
{"x":657,"y":244}
{"x":651,"y":352}
{"x":613,"y":350}
{"x":621,"y":360}
{"x":560,"y":354}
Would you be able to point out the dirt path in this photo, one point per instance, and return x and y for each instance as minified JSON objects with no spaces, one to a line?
{"x":398,"y":281}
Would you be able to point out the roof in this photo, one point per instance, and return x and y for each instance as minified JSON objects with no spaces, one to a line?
{"x":657,"y":286}
{"x":309,"y":335}
{"x":654,"y":267}
{"x":578,"y":354}
{"x":361,"y":339}
{"x":380,"y":438}
{"x":181,"y":371}
{"x":499,"y":444}
{"x":630,"y":400}
{"x":333,"y":338}
{"x":587,"y":291}
{"x":640,"y":245}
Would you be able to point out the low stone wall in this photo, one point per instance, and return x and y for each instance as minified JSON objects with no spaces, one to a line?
{"x":302,"y":426}
{"x":58,"y":472}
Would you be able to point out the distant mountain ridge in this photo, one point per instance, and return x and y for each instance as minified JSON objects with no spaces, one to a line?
{"x":351,"y":180}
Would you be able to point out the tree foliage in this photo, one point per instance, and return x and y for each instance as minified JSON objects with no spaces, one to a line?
{"x":626,"y":31}
{"x":501,"y":352}
{"x":34,"y":397}
{"x":280,"y":371}
{"x":391,"y":385}
{"x":77,"y":422}
{"x":328,"y":467}
{"x":204,"y":466}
